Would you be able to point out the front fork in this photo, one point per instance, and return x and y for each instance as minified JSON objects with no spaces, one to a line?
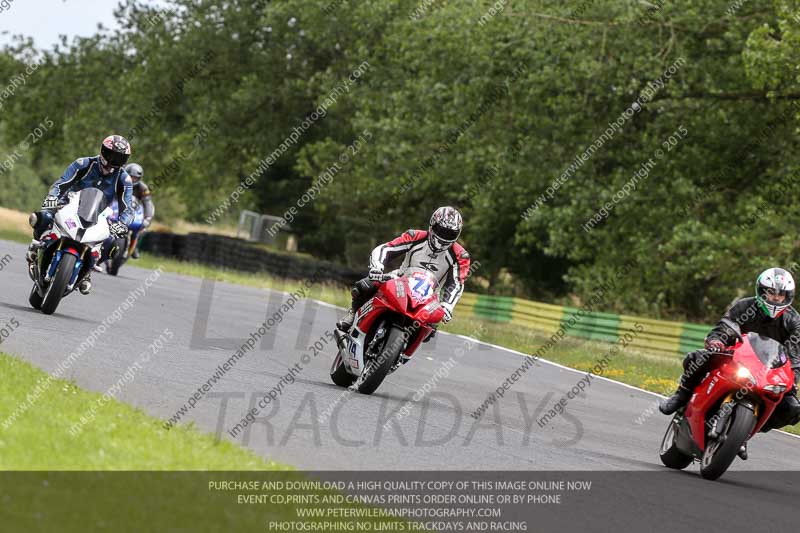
{"x":724,"y":413}
{"x":53,"y":266}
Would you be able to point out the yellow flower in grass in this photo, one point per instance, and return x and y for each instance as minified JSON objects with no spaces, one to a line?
{"x":658,"y":384}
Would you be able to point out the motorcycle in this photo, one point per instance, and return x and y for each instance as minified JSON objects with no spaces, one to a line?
{"x":387,"y":330}
{"x":732,"y":404}
{"x":121,"y":248}
{"x":69,"y":249}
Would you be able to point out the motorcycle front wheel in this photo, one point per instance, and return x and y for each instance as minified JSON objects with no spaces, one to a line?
{"x":58,"y":285}
{"x":376,"y":370}
{"x":720,"y":453}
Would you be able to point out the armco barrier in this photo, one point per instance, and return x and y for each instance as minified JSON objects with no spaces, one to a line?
{"x":657,"y":335}
{"x":237,"y":254}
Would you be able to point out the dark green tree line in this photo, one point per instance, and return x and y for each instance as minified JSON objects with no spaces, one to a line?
{"x":482,"y":115}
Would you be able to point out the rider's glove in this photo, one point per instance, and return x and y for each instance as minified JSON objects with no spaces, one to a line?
{"x":715,"y":345}
{"x":375,"y":274}
{"x":146,"y":223}
{"x":118,"y":229}
{"x":51,"y":202}
{"x":448,"y":315}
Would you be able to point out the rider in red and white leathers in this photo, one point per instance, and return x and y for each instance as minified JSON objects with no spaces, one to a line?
{"x":435,"y":250}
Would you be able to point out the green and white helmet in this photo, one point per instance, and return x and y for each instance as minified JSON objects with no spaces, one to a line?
{"x":774,"y":291}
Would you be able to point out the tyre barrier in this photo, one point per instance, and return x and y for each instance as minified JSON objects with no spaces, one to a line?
{"x":237,"y":254}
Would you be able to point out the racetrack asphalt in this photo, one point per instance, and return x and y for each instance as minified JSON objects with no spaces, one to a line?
{"x":606,"y":429}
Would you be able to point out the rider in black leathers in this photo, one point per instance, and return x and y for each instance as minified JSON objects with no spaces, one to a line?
{"x":770,"y":314}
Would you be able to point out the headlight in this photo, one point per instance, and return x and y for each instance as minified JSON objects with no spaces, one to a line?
{"x":745,"y":374}
{"x":778,"y":388}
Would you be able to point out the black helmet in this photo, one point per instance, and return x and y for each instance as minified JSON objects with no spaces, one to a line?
{"x":135,"y":171}
{"x":115,"y":151}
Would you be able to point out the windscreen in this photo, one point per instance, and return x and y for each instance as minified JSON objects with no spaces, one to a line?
{"x":771,"y":353}
{"x":419,"y":273}
{"x":422,"y":283}
{"x":91,"y":204}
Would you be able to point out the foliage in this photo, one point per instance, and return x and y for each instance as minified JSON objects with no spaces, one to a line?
{"x":482,"y":113}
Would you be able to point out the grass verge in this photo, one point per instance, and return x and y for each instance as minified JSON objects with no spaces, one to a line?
{"x":120,"y":437}
{"x":123,"y":470}
{"x":14,"y":235}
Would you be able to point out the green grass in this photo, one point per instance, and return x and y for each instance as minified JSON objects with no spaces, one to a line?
{"x":120,"y":437}
{"x":8,"y":234}
{"x":123,"y":469}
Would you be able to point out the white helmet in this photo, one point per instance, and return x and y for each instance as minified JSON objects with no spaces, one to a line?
{"x":774,"y":291}
{"x":444,"y":229}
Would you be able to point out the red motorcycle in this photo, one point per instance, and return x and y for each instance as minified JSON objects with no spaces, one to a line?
{"x":732,"y":404}
{"x":387,"y":330}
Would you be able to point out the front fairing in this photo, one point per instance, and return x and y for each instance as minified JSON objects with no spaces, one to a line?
{"x":70,"y":223}
{"x":724,"y":382}
{"x":414,"y":295}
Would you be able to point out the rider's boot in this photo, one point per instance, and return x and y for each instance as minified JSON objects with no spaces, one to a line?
{"x":743,"y":452}
{"x":362,"y":291}
{"x":85,"y":286}
{"x":33,"y":251}
{"x":31,"y":256}
{"x":346,"y":321}
{"x":135,"y":249}
{"x":676,"y":401}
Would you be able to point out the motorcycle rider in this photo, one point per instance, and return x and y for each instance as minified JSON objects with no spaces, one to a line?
{"x":435,"y":250}
{"x":769,"y":313}
{"x":142,"y":193}
{"x":104,"y":172}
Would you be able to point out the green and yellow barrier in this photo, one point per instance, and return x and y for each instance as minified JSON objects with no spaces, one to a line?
{"x":658,"y":335}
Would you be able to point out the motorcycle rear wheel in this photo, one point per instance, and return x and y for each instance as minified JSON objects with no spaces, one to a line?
{"x":670,"y":455}
{"x":35,"y":299}
{"x":339,"y":374}
{"x":119,"y":259}
{"x":719,"y":455}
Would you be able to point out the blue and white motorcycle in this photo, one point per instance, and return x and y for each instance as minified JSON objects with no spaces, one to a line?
{"x":121,"y":248}
{"x":70,"y":249}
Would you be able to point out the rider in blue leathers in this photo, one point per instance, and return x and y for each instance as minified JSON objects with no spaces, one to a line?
{"x":104,"y":172}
